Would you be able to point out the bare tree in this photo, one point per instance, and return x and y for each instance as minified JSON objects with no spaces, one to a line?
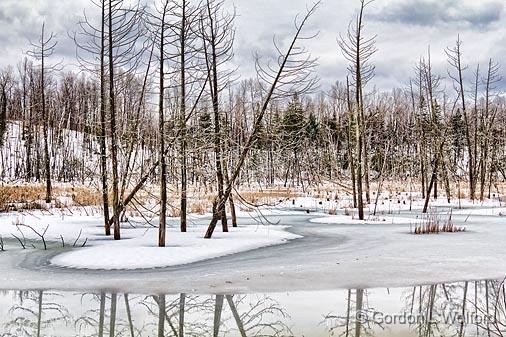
{"x":6,"y":81}
{"x":358,"y":50}
{"x":218,"y":37}
{"x":188,"y":76}
{"x":294,"y":74}
{"x":91,"y":42}
{"x":161,"y":26}
{"x":455,"y":60}
{"x":42,"y":50}
{"x":488,"y":117}
{"x":124,"y":33}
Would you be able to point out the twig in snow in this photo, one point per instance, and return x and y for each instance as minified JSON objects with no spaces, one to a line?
{"x":41,"y":235}
{"x":467,"y":218}
{"x":20,"y":242}
{"x":1,"y":244}
{"x":31,"y":214}
{"x":69,"y":210}
{"x":75,"y":242}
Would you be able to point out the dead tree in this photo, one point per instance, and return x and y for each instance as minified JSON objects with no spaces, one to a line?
{"x":455,"y":61}
{"x":42,"y":50}
{"x":187,"y":79}
{"x":123,"y":33}
{"x":103,"y":126}
{"x":351,"y":141}
{"x":149,"y":172}
{"x":90,"y":42}
{"x":6,"y":82}
{"x":488,"y":117}
{"x":218,"y":38}
{"x":183,"y":41}
{"x":294,"y":74}
{"x":359,"y":50}
{"x":159,"y":23}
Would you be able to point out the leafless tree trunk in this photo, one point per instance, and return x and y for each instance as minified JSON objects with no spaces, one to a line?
{"x":112,"y":125}
{"x":218,"y":37}
{"x":161,"y":127}
{"x":41,"y":51}
{"x":103,"y":125}
{"x":182,"y":116}
{"x":455,"y":60}
{"x":358,"y":51}
{"x":289,"y":67}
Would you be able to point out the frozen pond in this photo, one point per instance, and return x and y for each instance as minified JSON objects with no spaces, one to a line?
{"x":337,"y":278}
{"x":330,"y":252}
{"x":430,"y":310}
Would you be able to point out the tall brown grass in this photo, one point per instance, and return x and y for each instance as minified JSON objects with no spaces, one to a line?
{"x":30,"y":196}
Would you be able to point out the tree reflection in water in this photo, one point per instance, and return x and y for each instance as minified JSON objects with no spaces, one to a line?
{"x":33,"y":312}
{"x":439,"y":309}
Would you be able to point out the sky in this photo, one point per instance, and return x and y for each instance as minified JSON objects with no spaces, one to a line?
{"x":404,"y":29}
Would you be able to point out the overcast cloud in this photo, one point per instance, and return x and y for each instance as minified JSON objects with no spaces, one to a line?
{"x":404,"y":29}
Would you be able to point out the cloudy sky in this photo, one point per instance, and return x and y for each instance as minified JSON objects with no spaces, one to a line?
{"x":404,"y":29}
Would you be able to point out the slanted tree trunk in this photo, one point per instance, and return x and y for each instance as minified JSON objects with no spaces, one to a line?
{"x":129,"y":316}
{"x":219,"y":203}
{"x":237,"y":317}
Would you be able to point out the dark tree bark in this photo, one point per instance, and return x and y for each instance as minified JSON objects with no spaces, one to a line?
{"x":112,"y":124}
{"x":182,"y":116}
{"x":103,"y":126}
{"x":161,"y":130}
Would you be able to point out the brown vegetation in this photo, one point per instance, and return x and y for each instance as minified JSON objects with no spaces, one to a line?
{"x":31,"y":196}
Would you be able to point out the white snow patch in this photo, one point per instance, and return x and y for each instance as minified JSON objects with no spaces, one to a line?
{"x":138,"y":247}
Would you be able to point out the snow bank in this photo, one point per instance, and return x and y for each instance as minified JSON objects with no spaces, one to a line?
{"x":182,"y":248}
{"x":138,"y":247}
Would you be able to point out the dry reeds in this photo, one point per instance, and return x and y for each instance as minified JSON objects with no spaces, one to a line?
{"x":438,"y":220}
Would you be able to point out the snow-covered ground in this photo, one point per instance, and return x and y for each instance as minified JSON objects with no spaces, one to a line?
{"x":394,"y":203}
{"x":138,"y":249}
{"x":297,"y":250}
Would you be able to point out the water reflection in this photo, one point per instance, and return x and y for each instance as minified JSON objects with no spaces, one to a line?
{"x":459,"y":309}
